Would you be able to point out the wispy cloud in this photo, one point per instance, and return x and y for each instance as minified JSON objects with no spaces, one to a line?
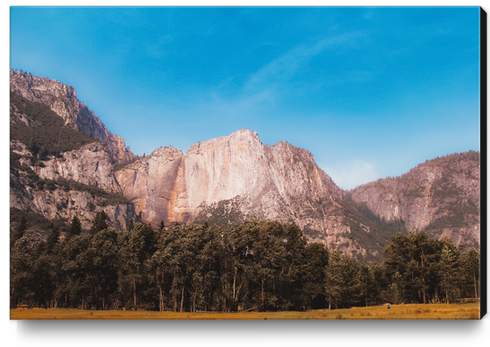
{"x":243,"y":105}
{"x":350,"y":174}
{"x":287,"y":66}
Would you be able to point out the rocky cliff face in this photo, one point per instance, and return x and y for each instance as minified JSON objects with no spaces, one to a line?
{"x":80,"y":182}
{"x":151,"y":184}
{"x":441,"y":196}
{"x":62,"y":100}
{"x":62,"y":204}
{"x":234,"y":178}
{"x":90,"y":165}
{"x":236,"y":167}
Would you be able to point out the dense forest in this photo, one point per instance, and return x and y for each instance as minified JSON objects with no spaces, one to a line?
{"x":256,"y":265}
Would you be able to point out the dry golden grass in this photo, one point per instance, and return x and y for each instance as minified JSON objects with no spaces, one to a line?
{"x":396,"y":312}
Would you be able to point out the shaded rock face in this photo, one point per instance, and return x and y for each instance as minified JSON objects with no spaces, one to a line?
{"x":62,"y":100}
{"x":441,"y":196}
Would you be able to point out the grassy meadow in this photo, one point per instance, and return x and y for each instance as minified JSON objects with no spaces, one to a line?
{"x":396,"y":312}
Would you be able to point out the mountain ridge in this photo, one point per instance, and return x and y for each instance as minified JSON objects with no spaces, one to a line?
{"x":230,"y":179}
{"x":430,"y":194}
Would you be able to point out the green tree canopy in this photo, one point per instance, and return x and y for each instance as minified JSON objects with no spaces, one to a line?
{"x":75,"y":227}
{"x":99,"y":223}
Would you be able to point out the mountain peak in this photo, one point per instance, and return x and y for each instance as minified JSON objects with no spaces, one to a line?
{"x":166,"y":151}
{"x":235,"y":138}
{"x":63,"y":101}
{"x":245,"y":132}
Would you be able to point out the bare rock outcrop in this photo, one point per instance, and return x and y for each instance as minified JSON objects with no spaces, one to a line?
{"x":90,"y":165}
{"x":235,"y":178}
{"x":152,"y":185}
{"x":64,"y":204}
{"x":38,"y":189}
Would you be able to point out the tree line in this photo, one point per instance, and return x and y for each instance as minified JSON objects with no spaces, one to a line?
{"x":256,"y":265}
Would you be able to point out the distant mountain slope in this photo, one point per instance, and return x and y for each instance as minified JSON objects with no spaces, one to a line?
{"x":441,"y":196}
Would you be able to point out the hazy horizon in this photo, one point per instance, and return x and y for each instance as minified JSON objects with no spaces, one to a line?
{"x":371,"y":92}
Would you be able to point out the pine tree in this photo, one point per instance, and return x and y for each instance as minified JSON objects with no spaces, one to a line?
{"x":75,"y":291}
{"x":19,"y":230}
{"x":313,"y":275}
{"x":369,"y":290}
{"x":99,"y":222}
{"x":21,"y":264}
{"x":101,"y":256}
{"x":449,"y":271}
{"x":75,"y":227}
{"x":471,"y":271}
{"x":334,"y":279}
{"x":52,"y":239}
{"x":426,"y":253}
{"x":351,"y":286}
{"x":136,"y":247}
{"x":397,"y":288}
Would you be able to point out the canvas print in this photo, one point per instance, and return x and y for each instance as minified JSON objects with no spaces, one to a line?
{"x":245,"y":163}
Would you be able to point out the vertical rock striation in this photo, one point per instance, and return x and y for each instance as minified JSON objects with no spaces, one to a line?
{"x":151,"y":183}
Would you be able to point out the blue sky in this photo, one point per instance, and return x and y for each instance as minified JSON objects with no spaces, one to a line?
{"x":370,"y":91}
